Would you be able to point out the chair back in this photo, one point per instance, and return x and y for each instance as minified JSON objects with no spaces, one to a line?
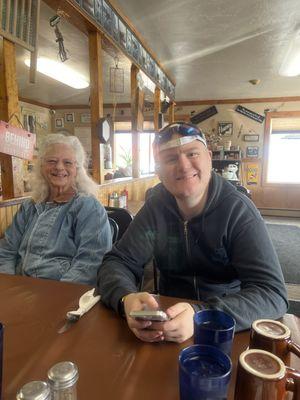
{"x":121,"y":216}
{"x":114,"y":229}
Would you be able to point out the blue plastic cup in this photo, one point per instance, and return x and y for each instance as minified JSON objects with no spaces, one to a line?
{"x":215,"y":328}
{"x":204,"y":373}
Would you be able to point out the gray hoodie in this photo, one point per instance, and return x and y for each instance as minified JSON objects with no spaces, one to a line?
{"x":223,"y":258}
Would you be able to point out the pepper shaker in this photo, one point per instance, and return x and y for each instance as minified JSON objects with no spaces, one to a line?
{"x":62,"y":378}
{"x":35,"y":390}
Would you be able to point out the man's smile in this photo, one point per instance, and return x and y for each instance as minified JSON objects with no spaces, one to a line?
{"x":187,"y":177}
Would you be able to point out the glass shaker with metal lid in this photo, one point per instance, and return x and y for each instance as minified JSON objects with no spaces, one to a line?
{"x":35,"y":390}
{"x":62,"y":378}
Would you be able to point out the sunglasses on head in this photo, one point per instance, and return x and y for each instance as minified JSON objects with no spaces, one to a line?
{"x":183,"y":128}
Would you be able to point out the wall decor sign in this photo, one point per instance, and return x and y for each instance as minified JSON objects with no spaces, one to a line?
{"x":16,"y":141}
{"x":85,"y":118}
{"x":251,"y":138}
{"x":252,"y":174}
{"x":59,"y":122}
{"x":109,"y":21}
{"x":225,"y":128}
{"x":250,"y":114}
{"x":203,"y":115}
{"x":252,"y":151}
{"x":69,"y":117}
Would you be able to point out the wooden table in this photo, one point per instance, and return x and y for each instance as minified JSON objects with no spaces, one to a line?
{"x":113,"y":364}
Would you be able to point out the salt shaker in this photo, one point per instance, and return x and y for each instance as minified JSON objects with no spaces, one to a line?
{"x":35,"y":390}
{"x":62,"y":379}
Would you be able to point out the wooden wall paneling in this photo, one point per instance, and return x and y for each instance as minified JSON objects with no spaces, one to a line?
{"x":9,"y":110}
{"x":137,"y":99}
{"x":96,"y":84}
{"x":3,"y":224}
{"x":172,"y":113}
{"x":157,"y":108}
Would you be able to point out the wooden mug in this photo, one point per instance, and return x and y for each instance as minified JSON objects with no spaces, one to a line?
{"x":263,"y":376}
{"x":275,"y":337}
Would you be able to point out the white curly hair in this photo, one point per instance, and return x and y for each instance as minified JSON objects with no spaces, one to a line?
{"x":84,"y":184}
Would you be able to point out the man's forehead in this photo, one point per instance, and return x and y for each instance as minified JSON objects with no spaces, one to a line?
{"x":184,"y":148}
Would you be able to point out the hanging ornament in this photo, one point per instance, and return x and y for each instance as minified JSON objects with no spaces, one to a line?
{"x":116,"y":78}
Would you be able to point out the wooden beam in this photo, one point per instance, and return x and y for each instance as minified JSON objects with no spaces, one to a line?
{"x":237,"y":101}
{"x":137,"y":101}
{"x":172,"y":113}
{"x":96,"y":97}
{"x":157,"y":108}
{"x":12,"y":183}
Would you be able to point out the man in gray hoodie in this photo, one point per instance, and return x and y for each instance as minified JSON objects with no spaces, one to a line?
{"x":209,"y":242}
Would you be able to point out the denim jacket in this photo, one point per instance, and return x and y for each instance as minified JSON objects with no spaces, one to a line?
{"x":64,"y":242}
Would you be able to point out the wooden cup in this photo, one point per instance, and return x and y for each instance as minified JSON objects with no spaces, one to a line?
{"x":275,"y":337}
{"x":263,"y":376}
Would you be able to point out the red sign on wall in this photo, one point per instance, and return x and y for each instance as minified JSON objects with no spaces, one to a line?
{"x":16,"y":141}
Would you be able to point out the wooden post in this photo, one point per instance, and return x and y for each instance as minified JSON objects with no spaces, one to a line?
{"x":11,"y":167}
{"x":157,"y":108}
{"x":96,"y":91}
{"x":172,"y":113}
{"x":137,"y":120}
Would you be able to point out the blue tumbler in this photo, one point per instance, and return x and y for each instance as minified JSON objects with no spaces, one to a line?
{"x":204,"y":373}
{"x":215,"y":328}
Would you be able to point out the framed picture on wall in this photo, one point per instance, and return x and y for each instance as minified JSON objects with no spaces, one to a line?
{"x":85,"y":118}
{"x":59,"y":122}
{"x":252,"y":151}
{"x":225,"y":128}
{"x":69,"y":117}
{"x":251,"y":138}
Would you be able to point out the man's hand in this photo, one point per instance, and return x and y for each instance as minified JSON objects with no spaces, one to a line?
{"x":143,"y":329}
{"x":178,"y":329}
{"x":181,"y":325}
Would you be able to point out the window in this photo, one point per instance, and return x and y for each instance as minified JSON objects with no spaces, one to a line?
{"x":123,"y":153}
{"x":146,"y":153}
{"x":284,"y":160}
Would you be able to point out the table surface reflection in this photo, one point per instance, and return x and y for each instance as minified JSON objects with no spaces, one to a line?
{"x":112,"y":363}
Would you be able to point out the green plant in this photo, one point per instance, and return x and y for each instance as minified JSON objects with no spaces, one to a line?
{"x":126,"y":157}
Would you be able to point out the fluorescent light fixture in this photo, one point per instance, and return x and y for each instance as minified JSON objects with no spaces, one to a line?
{"x":60,"y":72}
{"x":291,"y":63}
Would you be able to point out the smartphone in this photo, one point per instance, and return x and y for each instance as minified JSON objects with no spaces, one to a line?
{"x":150,"y":315}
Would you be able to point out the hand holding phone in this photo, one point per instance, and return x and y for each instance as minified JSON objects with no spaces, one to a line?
{"x":150,"y":315}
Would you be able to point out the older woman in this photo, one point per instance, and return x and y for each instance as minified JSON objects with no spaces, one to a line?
{"x":63,"y":232}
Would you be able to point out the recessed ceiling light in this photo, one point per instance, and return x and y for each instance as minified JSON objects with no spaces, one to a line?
{"x":60,"y":72}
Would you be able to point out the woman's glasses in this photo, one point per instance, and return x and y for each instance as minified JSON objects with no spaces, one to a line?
{"x":183,"y":128}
